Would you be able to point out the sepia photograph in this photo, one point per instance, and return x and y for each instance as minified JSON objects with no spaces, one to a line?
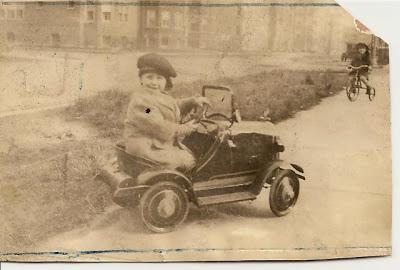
{"x":196,"y":130}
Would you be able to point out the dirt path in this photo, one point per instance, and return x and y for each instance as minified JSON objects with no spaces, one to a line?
{"x":345,"y":202}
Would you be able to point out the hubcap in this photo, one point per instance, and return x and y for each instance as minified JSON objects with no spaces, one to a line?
{"x":287,"y":190}
{"x":167,"y":204}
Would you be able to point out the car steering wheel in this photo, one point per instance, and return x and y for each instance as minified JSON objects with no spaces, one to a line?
{"x":204,"y":120}
{"x":219,"y":115}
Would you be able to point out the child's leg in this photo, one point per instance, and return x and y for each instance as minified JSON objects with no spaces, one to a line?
{"x":352,"y":81}
{"x":364,"y":79}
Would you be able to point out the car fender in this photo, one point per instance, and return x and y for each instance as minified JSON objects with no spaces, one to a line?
{"x":151,"y":177}
{"x":283,"y":165}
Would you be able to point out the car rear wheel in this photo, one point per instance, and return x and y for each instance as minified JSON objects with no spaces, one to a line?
{"x":164,"y":206}
{"x":284,"y":192}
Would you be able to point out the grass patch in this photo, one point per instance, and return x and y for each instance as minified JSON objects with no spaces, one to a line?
{"x":282,"y":92}
{"x":50,"y":196}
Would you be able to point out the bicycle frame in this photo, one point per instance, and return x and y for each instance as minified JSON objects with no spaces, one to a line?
{"x":353,"y":90}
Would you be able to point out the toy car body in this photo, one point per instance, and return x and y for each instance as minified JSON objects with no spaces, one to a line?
{"x":235,"y":161}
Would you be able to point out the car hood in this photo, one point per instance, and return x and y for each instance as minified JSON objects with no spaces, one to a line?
{"x":266,"y":128}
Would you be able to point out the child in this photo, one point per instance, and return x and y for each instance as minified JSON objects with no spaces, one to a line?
{"x":360,"y":59}
{"x":153,"y":121}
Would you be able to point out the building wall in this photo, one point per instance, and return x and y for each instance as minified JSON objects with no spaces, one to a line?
{"x":116,"y":25}
{"x":58,"y":24}
{"x":163,"y":27}
{"x":323,"y":30}
{"x":189,"y":27}
{"x":47,"y":25}
{"x":296,"y":29}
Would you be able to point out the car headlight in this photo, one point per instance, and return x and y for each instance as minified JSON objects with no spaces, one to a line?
{"x":279,"y":147}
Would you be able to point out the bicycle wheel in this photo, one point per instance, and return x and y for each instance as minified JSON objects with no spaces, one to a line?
{"x":352,"y":92}
{"x":371,"y":94}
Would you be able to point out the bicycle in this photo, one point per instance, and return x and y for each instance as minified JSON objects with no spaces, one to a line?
{"x":353,"y":91}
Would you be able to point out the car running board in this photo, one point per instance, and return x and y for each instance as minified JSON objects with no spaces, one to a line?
{"x":226,"y":198}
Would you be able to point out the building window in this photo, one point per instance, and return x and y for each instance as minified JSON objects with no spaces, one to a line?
{"x":11,"y":14}
{"x":20,"y":13}
{"x":179,"y":20}
{"x":126,"y":17}
{"x":151,"y":41}
{"x":194,"y":41}
{"x":165,"y":19}
{"x":71,"y":4}
{"x":195,"y":24}
{"x":55,"y":39}
{"x":151,"y":18}
{"x":39,"y":4}
{"x":107,"y":16}
{"x":10,"y":37}
{"x":164,"y":41}
{"x":180,"y":43}
{"x":124,"y":42}
{"x":107,"y":41}
{"x":90,"y":16}
{"x":2,"y":13}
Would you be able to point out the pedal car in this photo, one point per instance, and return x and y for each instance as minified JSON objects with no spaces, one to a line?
{"x":235,"y":161}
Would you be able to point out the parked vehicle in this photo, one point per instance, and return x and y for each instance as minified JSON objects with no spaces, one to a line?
{"x":235,"y":161}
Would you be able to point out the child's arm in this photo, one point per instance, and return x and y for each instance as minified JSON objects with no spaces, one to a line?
{"x":151,"y":122}
{"x":186,"y":105}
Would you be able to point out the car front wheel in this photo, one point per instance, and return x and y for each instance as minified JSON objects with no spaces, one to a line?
{"x":284,"y":192}
{"x":164,"y":206}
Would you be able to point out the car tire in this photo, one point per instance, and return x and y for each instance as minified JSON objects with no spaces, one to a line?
{"x":371,"y":94}
{"x":284,"y":192}
{"x":164,"y":206}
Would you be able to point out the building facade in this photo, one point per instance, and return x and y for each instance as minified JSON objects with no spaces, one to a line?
{"x":102,"y":25}
{"x":188,"y":25}
{"x":158,"y":25}
{"x":68,"y":24}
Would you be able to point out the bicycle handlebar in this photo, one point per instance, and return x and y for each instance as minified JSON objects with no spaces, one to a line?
{"x":357,"y":68}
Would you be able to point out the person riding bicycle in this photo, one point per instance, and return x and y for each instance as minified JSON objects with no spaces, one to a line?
{"x":153,"y":120}
{"x":362,"y":58}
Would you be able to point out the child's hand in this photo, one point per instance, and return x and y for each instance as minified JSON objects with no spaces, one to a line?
{"x":369,"y":68}
{"x":191,"y":124}
{"x":201,"y":101}
{"x":187,"y":129}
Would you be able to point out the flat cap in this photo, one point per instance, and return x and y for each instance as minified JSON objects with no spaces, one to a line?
{"x":155,"y":63}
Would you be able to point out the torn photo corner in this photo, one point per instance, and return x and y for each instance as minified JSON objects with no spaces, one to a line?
{"x":228,"y":130}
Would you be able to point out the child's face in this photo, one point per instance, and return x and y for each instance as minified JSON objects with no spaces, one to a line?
{"x":153,"y":81}
{"x":362,"y":50}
